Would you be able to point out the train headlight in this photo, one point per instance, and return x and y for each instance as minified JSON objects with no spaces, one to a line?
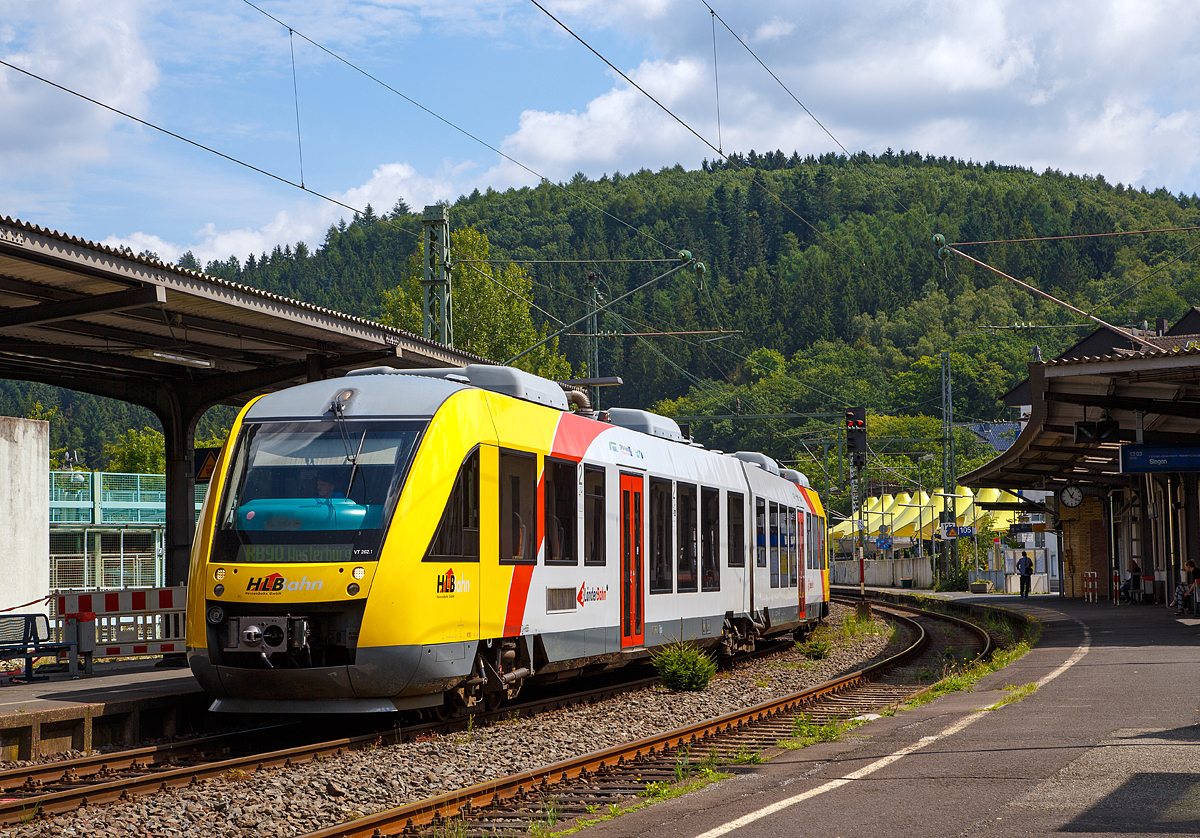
{"x":218,"y":590}
{"x":215,"y":615}
{"x":359,"y":572}
{"x":352,"y":588}
{"x":219,"y":574}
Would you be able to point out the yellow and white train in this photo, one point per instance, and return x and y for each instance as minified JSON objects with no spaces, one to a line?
{"x":396,"y":540}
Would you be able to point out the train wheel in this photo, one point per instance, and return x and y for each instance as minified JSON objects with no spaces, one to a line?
{"x":493,"y":700}
{"x":442,"y":712}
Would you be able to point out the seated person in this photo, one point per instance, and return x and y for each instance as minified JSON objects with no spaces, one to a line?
{"x":1188,"y":586}
{"x":326,"y":489}
{"x":1132,"y":581}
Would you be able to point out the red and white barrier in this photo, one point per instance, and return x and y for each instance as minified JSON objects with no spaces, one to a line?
{"x":145,"y":621}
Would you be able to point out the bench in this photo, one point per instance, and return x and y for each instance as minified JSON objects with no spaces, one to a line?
{"x":28,"y":636}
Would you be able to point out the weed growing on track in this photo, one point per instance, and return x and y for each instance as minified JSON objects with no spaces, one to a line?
{"x":807,"y":732}
{"x":452,"y":828}
{"x":683,"y":667}
{"x":745,"y":756}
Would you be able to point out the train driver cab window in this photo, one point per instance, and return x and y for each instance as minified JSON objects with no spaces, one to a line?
{"x":518,"y":507}
{"x":458,"y":532}
{"x":593,"y":516}
{"x":760,"y":539}
{"x":685,"y":534}
{"x":561,"y":486}
{"x":773,"y":543}
{"x":710,"y":539}
{"x":661,"y":576}
{"x":735,"y":533}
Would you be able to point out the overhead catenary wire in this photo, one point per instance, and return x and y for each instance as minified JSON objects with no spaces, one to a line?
{"x":458,"y":128}
{"x":754,"y":179}
{"x":804,"y":107}
{"x":1080,"y":236}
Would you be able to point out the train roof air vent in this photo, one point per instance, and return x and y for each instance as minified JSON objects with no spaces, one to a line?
{"x":646,"y":422}
{"x":507,"y":380}
{"x":794,"y":476}
{"x":757,"y":459}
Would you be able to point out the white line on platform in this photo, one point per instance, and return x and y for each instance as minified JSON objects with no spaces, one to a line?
{"x":867,"y":770}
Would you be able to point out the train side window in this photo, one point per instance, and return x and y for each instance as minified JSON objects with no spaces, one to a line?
{"x":710,"y":539}
{"x":518,"y":507}
{"x":594,"y":545}
{"x":662,"y":580}
{"x":773,"y":522}
{"x":794,"y":545}
{"x":760,"y":542}
{"x":735,"y":533}
{"x":561,"y":488}
{"x":457,"y":534}
{"x":821,"y":547}
{"x":686,"y":535}
{"x":814,"y":558}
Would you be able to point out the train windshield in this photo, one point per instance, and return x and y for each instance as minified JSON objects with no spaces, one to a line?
{"x":314,"y":491}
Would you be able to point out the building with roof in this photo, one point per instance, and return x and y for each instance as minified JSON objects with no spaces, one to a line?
{"x":1111,"y":434}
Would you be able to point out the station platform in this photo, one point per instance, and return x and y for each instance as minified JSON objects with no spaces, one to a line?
{"x":124,"y":702}
{"x":1107,"y":744}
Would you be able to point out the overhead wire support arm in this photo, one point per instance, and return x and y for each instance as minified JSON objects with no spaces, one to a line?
{"x":945,"y":250}
{"x":688,"y":260}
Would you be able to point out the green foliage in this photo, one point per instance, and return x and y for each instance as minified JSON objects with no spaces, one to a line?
{"x":815,"y":648}
{"x":137,"y":452}
{"x":684,"y":668}
{"x":851,"y":310}
{"x":490,"y":313}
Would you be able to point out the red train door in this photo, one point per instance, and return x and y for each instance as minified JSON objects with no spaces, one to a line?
{"x":632,"y":618}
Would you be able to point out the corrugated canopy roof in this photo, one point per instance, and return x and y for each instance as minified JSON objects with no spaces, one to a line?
{"x":73,"y":312}
{"x":1162,"y":385}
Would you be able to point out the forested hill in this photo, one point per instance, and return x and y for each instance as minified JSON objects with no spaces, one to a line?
{"x":824,"y":267}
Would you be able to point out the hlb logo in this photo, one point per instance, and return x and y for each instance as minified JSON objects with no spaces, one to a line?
{"x":448,"y":583}
{"x":278,"y":582}
{"x":587,"y":594}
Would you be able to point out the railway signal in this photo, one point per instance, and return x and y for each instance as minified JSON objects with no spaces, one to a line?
{"x":856,"y":436}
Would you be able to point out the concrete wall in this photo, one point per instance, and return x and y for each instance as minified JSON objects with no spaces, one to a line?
{"x":24,"y":513}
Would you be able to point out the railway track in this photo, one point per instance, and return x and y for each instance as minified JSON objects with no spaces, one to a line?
{"x":64,"y":785}
{"x":596,"y":782}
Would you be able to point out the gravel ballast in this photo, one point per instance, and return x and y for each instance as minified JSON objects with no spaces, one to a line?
{"x":293,"y":801}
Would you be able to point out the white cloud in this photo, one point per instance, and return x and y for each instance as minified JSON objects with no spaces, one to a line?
{"x":307,"y":221}
{"x":773,"y":29}
{"x":95,"y":49}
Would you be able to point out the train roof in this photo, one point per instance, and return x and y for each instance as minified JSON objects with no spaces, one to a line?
{"x":386,"y":396}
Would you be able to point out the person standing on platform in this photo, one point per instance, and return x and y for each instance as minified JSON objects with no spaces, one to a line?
{"x":1025,"y":568}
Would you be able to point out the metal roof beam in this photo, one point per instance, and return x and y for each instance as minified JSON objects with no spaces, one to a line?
{"x":72,"y":309}
{"x":1189,"y":409}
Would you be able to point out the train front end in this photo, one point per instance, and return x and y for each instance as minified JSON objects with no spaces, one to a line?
{"x":289,"y":546}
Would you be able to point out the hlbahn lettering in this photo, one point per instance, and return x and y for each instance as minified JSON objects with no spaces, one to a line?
{"x":448,"y":583}
{"x":277,"y":582}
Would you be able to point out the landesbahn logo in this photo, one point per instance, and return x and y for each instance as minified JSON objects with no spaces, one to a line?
{"x":587,"y":594}
{"x":449,"y":584}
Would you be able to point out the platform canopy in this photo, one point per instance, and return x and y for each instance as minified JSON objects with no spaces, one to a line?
{"x":1152,"y":396}
{"x":86,"y":317}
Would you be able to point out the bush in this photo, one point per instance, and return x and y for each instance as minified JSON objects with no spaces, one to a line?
{"x":683,"y":667}
{"x":815,"y":648}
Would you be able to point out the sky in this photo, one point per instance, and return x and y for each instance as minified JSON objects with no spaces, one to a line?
{"x":1092,"y":86}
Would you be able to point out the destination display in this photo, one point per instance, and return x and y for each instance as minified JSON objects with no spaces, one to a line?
{"x":1146,"y":459}
{"x":294,"y":553}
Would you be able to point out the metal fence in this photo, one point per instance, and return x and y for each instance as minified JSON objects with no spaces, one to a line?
{"x":107,"y":529}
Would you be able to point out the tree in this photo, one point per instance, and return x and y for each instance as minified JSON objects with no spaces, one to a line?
{"x":138,"y":452}
{"x":47,"y":414}
{"x":490,"y":307}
